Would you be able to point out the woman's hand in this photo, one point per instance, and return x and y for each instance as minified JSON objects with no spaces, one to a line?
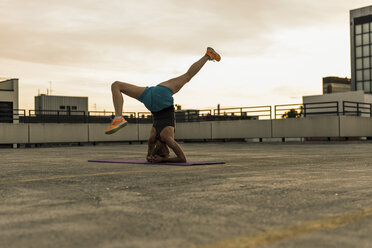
{"x":157,"y":159}
{"x":154,"y":159}
{"x":149,"y":158}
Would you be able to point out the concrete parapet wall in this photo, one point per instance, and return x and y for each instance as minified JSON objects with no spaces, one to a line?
{"x":97,"y":133}
{"x":55,"y":133}
{"x":355,"y":126}
{"x":13,"y":133}
{"x":144,"y":132}
{"x":241,"y":129}
{"x":193,"y":130}
{"x":317,"y":126}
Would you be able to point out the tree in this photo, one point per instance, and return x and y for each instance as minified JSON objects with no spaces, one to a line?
{"x":292,"y":113}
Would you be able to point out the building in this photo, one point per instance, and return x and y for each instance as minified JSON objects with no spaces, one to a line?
{"x":336,"y":85}
{"x":61,"y":105}
{"x":361,"y":49}
{"x":342,"y":103}
{"x":8,"y":100}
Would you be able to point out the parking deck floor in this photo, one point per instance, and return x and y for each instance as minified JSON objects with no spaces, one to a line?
{"x":266,"y":195}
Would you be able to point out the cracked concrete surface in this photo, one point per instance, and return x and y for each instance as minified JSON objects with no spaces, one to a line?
{"x":53,"y":197}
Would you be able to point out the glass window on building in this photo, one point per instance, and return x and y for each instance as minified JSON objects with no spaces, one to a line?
{"x":365,"y":50}
{"x":367,"y":86}
{"x":359,"y":64}
{"x":358,"y":29}
{"x":358,"y":40}
{"x":366,"y":39}
{"x":359,"y":52}
{"x":359,"y":85}
{"x":359,"y":75}
{"x":365,"y":27}
{"x":366,"y":63}
{"x":366,"y":74}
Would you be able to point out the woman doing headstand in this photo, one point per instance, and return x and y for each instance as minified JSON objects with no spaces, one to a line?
{"x":159,"y":100}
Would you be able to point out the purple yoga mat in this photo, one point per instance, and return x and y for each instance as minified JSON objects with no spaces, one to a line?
{"x":142,"y":161}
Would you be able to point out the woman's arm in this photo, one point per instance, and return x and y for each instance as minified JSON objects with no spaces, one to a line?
{"x":151,"y":144}
{"x":167,"y":136}
{"x":181,"y":157}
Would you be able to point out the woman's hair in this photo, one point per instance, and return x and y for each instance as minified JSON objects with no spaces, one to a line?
{"x":160,"y":149}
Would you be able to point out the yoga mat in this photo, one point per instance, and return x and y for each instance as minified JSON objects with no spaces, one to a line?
{"x":143,"y":161}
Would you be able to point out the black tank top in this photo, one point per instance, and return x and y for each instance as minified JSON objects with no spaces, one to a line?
{"x":163,"y":118}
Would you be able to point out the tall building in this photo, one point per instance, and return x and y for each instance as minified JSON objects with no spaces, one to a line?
{"x":361,"y":49}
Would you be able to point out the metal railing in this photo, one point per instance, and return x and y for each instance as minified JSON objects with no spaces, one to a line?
{"x":144,"y":117}
{"x":325,"y":108}
{"x":243,"y":113}
{"x":111,"y":113}
{"x":357,"y":108}
{"x":282,"y":111}
{"x":107,"y":116}
{"x":56,"y":116}
{"x":306,"y":109}
{"x":321,"y":108}
{"x":55,"y":112}
{"x":101,"y":113}
{"x":190,"y":115}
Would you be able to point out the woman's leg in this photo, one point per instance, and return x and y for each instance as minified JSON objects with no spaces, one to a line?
{"x":177,"y":83}
{"x":117,"y":88}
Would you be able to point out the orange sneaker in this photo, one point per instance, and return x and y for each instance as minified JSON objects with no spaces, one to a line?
{"x":213,"y":55}
{"x":116,"y":125}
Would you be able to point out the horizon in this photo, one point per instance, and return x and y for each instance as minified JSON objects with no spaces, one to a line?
{"x":273,"y":52}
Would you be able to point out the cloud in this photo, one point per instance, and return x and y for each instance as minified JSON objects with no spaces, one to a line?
{"x":93,"y":42}
{"x":294,"y":91}
{"x":119,"y":33}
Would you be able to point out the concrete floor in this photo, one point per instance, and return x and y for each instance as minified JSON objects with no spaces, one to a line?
{"x":266,"y":195}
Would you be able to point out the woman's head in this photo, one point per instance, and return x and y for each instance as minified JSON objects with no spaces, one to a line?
{"x":161,"y":149}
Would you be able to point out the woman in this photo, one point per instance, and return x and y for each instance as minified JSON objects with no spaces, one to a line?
{"x":159,"y":100}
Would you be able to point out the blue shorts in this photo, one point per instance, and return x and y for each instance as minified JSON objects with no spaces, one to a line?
{"x":157,"y":98}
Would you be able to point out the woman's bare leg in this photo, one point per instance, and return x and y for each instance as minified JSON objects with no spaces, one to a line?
{"x":177,"y":83}
{"x":117,"y":88}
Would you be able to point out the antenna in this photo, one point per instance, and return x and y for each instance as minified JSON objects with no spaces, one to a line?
{"x":50,"y":83}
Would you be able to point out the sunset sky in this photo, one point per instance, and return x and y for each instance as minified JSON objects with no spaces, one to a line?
{"x":273,"y":51}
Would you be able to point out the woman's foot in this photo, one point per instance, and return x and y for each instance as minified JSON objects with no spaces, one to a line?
{"x":116,"y":124}
{"x":213,"y":55}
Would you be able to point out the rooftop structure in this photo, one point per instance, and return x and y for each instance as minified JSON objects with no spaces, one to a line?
{"x":8,"y":99}
{"x":67,"y":105}
{"x":336,"y":85}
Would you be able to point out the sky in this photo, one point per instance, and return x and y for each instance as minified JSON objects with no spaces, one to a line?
{"x":273,"y":51}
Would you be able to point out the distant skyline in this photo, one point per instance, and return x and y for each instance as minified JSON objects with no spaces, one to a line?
{"x":273,"y":51}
